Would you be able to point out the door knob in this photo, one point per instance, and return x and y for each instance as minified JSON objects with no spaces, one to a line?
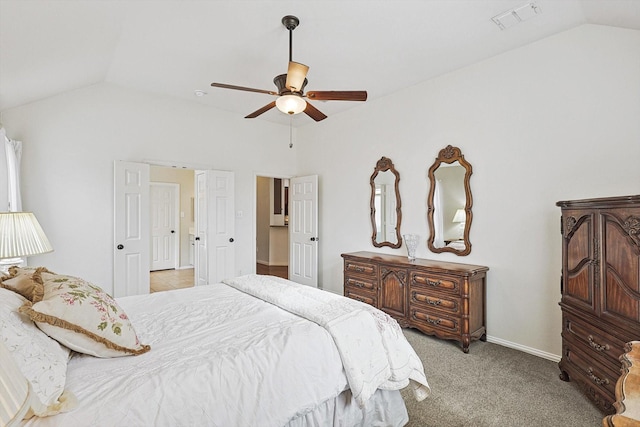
{"x":197,"y":238}
{"x":231,"y":240}
{"x":120,"y":247}
{"x":315,"y":239}
{"x":173,"y":231}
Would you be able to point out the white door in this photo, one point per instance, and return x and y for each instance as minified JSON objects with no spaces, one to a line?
{"x":131,"y":229}
{"x":303,"y":230}
{"x":200,"y":248}
{"x":165,"y":230}
{"x":215,"y":226}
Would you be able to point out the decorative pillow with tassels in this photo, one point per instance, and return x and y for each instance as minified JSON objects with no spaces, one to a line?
{"x":21,"y":280}
{"x":83,"y":317}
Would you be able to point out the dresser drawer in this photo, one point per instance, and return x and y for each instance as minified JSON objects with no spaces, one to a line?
{"x":362,"y":268}
{"x":440,"y":301}
{"x":434,"y":281}
{"x":590,"y":371}
{"x":362,"y":296}
{"x":425,"y":318}
{"x":595,"y":342}
{"x":368,"y":284}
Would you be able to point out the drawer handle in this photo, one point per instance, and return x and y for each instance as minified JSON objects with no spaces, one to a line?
{"x":598,"y":347}
{"x":433,"y":321}
{"x":357,"y":268}
{"x":358,"y":284}
{"x":434,"y":302}
{"x":434,"y":282}
{"x":595,"y":379}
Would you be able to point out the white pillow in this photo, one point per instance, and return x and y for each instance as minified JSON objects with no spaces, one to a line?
{"x":83,"y":317}
{"x":40,"y":359}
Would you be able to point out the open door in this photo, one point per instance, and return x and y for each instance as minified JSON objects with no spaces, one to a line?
{"x":131,"y":229}
{"x":214,"y":258}
{"x":165,"y":225}
{"x":303,"y":230}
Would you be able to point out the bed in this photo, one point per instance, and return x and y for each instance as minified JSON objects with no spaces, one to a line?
{"x":254,"y":351}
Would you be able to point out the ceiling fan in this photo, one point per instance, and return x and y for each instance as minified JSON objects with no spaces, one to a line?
{"x":291,"y":97}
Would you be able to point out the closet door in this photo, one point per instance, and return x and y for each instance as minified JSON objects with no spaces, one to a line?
{"x":131,"y":229}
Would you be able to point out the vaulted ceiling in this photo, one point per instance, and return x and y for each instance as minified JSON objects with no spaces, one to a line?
{"x":177,"y":47}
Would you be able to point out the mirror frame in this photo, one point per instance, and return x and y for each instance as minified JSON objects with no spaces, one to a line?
{"x":450,"y":155}
{"x":383,"y":165}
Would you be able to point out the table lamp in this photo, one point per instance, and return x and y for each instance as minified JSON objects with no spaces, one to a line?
{"x":20,"y":236}
{"x":460,"y":217}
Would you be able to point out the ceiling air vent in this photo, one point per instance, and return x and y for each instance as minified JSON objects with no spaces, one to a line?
{"x":516,"y":15}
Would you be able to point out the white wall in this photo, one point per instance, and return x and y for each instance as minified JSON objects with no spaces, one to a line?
{"x":71,"y":141}
{"x":555,"y":120}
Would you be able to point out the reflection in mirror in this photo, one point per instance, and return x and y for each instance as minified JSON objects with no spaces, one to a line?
{"x":449,"y":203}
{"x":386,"y":213}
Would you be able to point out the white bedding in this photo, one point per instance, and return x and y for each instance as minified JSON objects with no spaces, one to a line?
{"x":374,"y":352}
{"x":218,"y":357}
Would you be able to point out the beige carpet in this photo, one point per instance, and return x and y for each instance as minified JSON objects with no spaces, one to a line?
{"x":491,"y":386}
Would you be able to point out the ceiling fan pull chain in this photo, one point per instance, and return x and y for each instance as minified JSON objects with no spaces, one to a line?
{"x":290,"y":131}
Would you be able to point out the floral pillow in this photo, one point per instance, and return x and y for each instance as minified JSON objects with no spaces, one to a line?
{"x":21,"y":280}
{"x":42,"y":361}
{"x":83,"y":317}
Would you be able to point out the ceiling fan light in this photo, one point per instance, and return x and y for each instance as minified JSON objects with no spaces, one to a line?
{"x":291,"y":104}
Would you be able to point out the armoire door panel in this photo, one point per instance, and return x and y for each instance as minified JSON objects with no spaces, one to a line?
{"x":579,"y":283}
{"x":621,"y":267}
{"x":580,"y":236}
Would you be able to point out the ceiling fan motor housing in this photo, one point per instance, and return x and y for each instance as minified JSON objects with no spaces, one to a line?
{"x":281,"y":83}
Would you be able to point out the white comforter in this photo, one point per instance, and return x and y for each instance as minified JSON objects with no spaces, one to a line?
{"x":218,"y":357}
{"x":374,"y":352}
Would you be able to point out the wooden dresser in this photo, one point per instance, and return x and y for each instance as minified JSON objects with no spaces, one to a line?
{"x":600,"y":291}
{"x":444,"y":299}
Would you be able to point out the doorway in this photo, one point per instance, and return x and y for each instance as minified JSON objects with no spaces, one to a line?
{"x":272,"y":231}
{"x":172,"y":228}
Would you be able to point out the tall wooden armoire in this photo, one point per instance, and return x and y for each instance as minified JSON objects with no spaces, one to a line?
{"x":600,"y":291}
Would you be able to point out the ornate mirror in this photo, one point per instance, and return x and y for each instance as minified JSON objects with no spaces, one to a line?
{"x":449,"y":203}
{"x":386,"y":213}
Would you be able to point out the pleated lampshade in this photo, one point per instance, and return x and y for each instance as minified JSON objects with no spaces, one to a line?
{"x":21,"y":235}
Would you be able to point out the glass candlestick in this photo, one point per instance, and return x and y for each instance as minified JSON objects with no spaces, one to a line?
{"x":411,"y":241}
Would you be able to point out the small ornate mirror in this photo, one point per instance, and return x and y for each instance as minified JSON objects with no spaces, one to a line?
{"x":449,"y":203}
{"x":386,"y":213}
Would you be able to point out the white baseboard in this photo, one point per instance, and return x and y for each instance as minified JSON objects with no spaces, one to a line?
{"x":185,"y":267}
{"x":261,"y":262}
{"x":524,"y":348}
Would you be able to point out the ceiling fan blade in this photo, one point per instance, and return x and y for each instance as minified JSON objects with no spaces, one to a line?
{"x":314,"y":113}
{"x":264,"y":109}
{"x":338,"y":95}
{"x":296,"y":74}
{"x":247,"y":89}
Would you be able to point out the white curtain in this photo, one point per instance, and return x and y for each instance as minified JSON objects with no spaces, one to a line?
{"x":438,"y":216}
{"x":13,"y":150}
